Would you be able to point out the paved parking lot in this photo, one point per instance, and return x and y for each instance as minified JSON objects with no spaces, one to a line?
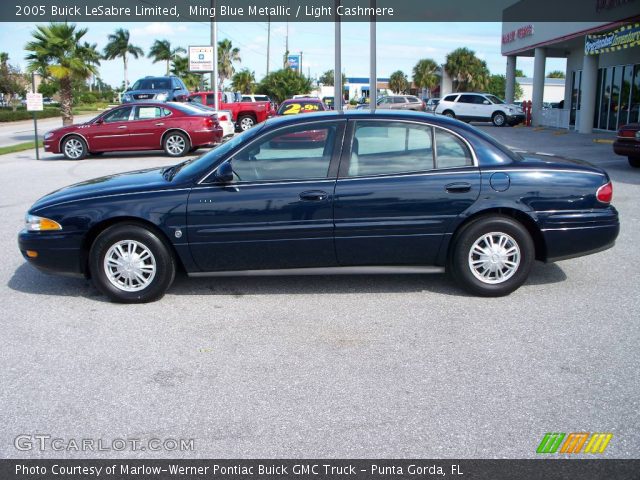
{"x":362,"y":366}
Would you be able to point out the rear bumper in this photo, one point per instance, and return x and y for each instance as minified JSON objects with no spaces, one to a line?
{"x":57,"y":253}
{"x":626,"y":148}
{"x":574,"y":234}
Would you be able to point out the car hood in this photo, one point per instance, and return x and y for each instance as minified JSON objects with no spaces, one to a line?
{"x":121,"y":183}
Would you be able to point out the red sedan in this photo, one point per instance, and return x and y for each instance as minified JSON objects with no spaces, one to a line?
{"x":628,"y":143}
{"x":176,"y":128}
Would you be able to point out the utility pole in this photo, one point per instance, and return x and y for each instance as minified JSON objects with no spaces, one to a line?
{"x":373,"y":77}
{"x":301,"y":63}
{"x":268,"y":41}
{"x":337,"y":69}
{"x":214,"y":43}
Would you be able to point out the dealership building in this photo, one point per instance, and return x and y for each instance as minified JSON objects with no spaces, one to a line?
{"x":602,"y":88}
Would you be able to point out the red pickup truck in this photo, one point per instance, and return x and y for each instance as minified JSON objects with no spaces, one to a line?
{"x":244,"y":114}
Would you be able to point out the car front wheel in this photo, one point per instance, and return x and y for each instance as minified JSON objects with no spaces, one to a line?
{"x":176,"y":144}
{"x":492,"y":256}
{"x":634,"y":162}
{"x":130,"y":264}
{"x":449,"y":114}
{"x":499,"y":119}
{"x":74,"y":148}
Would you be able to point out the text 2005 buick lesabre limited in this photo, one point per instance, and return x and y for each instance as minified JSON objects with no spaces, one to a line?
{"x":383,"y":192}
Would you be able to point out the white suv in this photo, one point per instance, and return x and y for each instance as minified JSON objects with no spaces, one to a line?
{"x":480,"y":107}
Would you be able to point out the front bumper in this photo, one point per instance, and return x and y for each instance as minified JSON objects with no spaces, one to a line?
{"x":57,"y":252}
{"x":515,"y":119}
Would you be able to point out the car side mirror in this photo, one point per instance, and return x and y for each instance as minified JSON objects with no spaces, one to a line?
{"x":224,"y":173}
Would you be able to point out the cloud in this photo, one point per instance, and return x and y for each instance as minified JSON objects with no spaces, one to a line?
{"x":164,"y":29}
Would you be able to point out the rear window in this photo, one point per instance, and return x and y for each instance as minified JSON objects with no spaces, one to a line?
{"x":152,"y":84}
{"x":301,"y":106}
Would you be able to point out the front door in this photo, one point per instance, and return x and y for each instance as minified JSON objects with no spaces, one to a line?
{"x":278,"y":211}
{"x":147,"y":127}
{"x":113,"y":132}
{"x":401,"y":185}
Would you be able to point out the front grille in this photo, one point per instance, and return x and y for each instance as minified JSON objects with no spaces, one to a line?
{"x":143,"y":96}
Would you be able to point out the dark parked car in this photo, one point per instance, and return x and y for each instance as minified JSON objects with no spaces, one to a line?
{"x":385,"y":192}
{"x":161,"y":89}
{"x":627,"y":143}
{"x":176,"y":128}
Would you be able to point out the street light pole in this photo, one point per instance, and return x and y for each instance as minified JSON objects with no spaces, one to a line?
{"x":373,"y":77}
{"x":337,"y":69}
{"x":214,"y":43}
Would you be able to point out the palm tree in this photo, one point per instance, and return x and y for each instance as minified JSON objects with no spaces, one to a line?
{"x":161,"y":51}
{"x":398,"y":82}
{"x":180,"y":69}
{"x":425,"y":74}
{"x":467,"y":72}
{"x":56,"y":50}
{"x":243,"y":81}
{"x":227,"y":55}
{"x":119,"y":46}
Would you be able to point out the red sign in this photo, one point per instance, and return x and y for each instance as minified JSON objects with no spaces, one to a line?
{"x":522,"y":32}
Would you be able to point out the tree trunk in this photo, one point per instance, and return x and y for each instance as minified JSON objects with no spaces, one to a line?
{"x":126,"y":80}
{"x":66,"y":101}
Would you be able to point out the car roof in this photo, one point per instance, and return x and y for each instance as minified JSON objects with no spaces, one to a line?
{"x":365,"y":114}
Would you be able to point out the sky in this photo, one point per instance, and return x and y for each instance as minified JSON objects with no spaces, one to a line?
{"x":399,"y":45}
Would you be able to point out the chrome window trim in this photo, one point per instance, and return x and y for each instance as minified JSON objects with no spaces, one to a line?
{"x":420,"y":173}
{"x":202,"y":180}
{"x":533,"y":170}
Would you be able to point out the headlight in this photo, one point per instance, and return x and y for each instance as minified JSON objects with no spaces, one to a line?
{"x":48,"y":135}
{"x":126,"y":98}
{"x":161,"y":97}
{"x":34,"y":223}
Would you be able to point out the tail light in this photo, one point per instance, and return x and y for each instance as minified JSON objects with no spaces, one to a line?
{"x":223,"y":118}
{"x":208,"y":122}
{"x":626,"y":133}
{"x":605,"y":193}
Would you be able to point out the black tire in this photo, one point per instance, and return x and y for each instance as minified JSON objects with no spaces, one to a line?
{"x":634,"y":162}
{"x":499,"y":119}
{"x":161,"y":258}
{"x":460,"y":256}
{"x":176,"y":144}
{"x":449,"y":113}
{"x":246,"y":122}
{"x":74,"y":148}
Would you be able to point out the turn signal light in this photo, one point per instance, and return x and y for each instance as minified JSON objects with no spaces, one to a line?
{"x":627,"y":133}
{"x":605,"y":193}
{"x":32,"y":254}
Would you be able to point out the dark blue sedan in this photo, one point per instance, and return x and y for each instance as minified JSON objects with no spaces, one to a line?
{"x":382,"y":192}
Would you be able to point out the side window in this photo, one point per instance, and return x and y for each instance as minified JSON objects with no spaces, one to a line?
{"x":451,"y":151}
{"x":300,"y":153}
{"x":246,"y":99}
{"x":390,"y":147}
{"x":450,"y":98}
{"x":467,"y":99}
{"x":166,"y":112}
{"x":118,"y":115}
{"x":145,"y":113}
{"x":197,"y":99}
{"x":210,"y":99}
{"x":480,"y":100}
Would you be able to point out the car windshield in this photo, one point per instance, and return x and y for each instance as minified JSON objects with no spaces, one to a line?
{"x":152,"y":84}
{"x":202,"y":163}
{"x":494,"y":99}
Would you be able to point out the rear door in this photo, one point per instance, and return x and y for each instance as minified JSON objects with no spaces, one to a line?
{"x":401,"y":185}
{"x":278,"y":213}
{"x":147,"y":126}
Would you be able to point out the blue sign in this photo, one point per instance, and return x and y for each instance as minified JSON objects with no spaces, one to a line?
{"x":293,"y":62}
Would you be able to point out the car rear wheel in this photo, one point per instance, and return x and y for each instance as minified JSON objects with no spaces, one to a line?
{"x":449,"y":114}
{"x":74,"y":148}
{"x":634,"y":162}
{"x":176,"y":144}
{"x":492,"y":256}
{"x":499,"y":119}
{"x":246,"y":122}
{"x":130,"y":264}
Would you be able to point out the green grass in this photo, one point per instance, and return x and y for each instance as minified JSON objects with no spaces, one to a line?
{"x":19,"y":147}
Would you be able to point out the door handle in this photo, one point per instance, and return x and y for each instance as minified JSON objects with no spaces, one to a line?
{"x":314,"y":196}
{"x":122,"y":126}
{"x":461,"y":187}
{"x":159,"y":124}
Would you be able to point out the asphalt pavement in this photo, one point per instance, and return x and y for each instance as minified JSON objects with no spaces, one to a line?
{"x":12,"y":133}
{"x":319,"y":367}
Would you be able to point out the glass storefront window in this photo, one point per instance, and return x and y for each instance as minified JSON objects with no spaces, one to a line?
{"x":614,"y":105}
{"x":605,"y":97}
{"x":625,"y":94}
{"x":634,"y":110}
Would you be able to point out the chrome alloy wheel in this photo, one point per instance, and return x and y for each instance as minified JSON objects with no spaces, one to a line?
{"x":130,"y":266}
{"x":73,"y":148}
{"x":176,"y":144}
{"x":494,"y":258}
{"x":246,"y":123}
